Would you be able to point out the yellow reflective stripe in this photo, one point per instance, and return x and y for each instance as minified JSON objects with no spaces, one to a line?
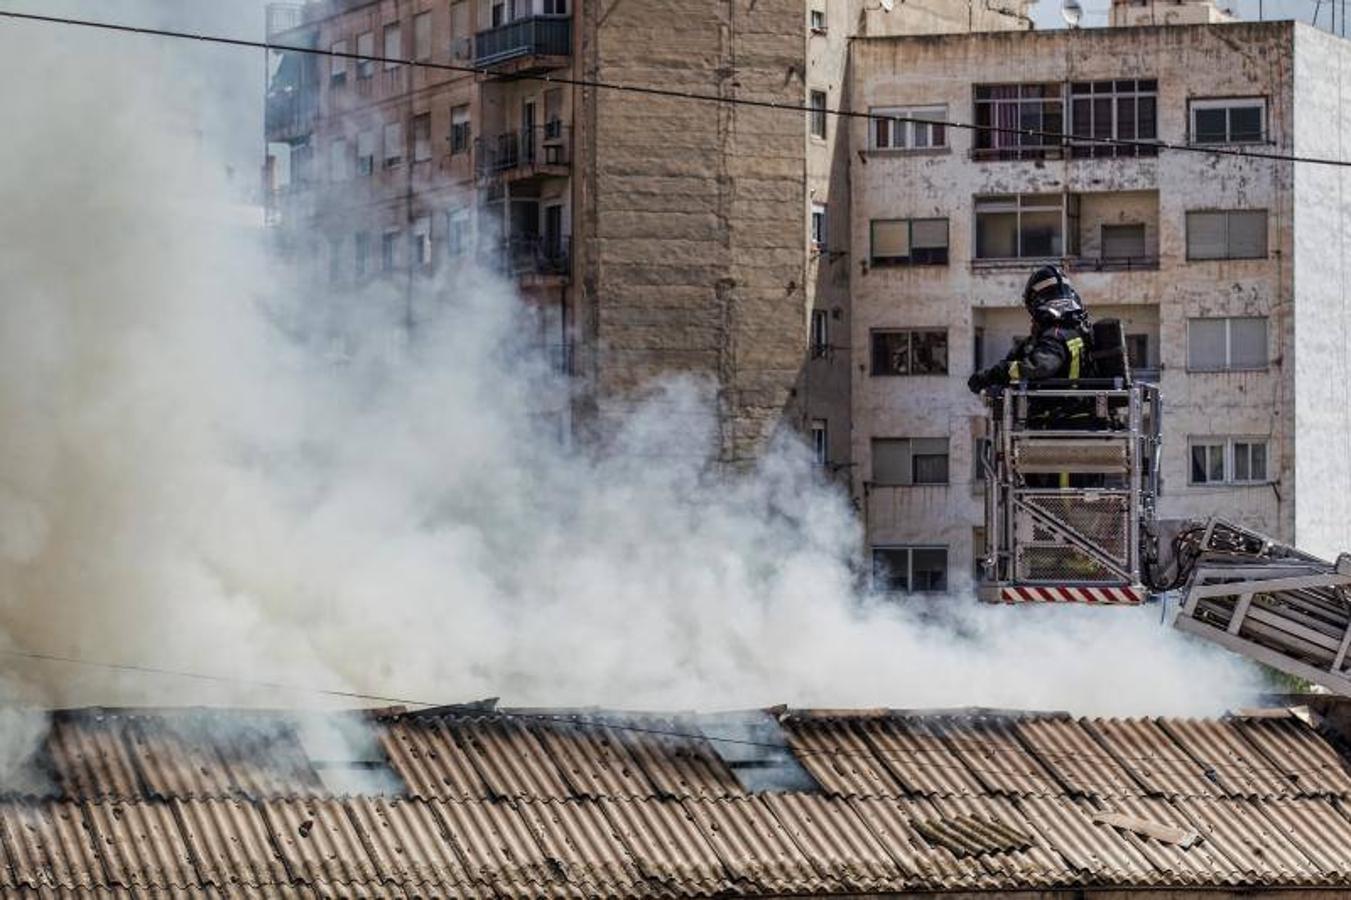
{"x":1015,"y":374}
{"x":1076,"y":346}
{"x":1064,"y":479}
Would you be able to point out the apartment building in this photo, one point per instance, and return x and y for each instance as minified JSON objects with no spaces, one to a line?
{"x":1228,"y":273}
{"x":655,"y":235}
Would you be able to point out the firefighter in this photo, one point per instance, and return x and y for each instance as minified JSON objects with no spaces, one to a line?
{"x":1058,"y":346}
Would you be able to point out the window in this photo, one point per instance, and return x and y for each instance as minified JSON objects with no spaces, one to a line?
{"x":1004,"y":111}
{"x":461,"y":40}
{"x":1228,"y":461}
{"x":819,"y":226}
{"x":981,"y":448}
{"x":908,"y":242}
{"x":457,"y":232}
{"x":422,"y":36}
{"x":1236,"y":120}
{"x":818,"y":113}
{"x":555,"y":7}
{"x":335,"y":259}
{"x":363,"y":254}
{"x":389,"y":251}
{"x":1137,"y":351}
{"x":337,"y":63}
{"x":499,"y":13}
{"x":910,"y":352}
{"x":422,"y":241}
{"x":1227,"y":234}
{"x":908,"y":461}
{"x":393,"y":144}
{"x":1124,"y":110}
{"x":820,"y":442}
{"x":366,"y":152}
{"x":337,"y":160}
{"x":978,"y":348}
{"x":422,"y":137}
{"x":1218,"y":345}
{"x":1123,"y":242}
{"x":896,"y":128}
{"x":365,"y":50}
{"x":393,"y":45}
{"x":818,"y":21}
{"x":910,"y":569}
{"x":459,"y":129}
{"x":820,"y":333}
{"x":1026,"y":226}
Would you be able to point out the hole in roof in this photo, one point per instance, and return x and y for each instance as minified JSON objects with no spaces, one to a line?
{"x":753,"y":746}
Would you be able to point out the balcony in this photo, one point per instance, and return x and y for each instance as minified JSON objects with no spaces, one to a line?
{"x":526,"y":45}
{"x":289,"y":112}
{"x":516,"y":155}
{"x":536,"y":259}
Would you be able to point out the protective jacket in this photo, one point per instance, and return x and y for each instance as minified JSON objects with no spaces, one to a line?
{"x":1055,"y":351}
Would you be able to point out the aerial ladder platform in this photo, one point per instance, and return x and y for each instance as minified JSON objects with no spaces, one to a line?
{"x":1071,"y":516}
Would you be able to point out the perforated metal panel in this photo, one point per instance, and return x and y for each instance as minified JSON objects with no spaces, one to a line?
{"x":1103,"y":520}
{"x":1060,"y":564}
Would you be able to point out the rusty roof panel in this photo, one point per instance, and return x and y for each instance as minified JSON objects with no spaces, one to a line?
{"x":410,"y":846}
{"x":318,"y":842}
{"x":1297,"y":750}
{"x":677,"y":760}
{"x":141,"y":845}
{"x":1259,"y":851}
{"x":991,"y":750}
{"x":1067,"y":748}
{"x":595,"y":761}
{"x":667,"y":847}
{"x":838,"y":756}
{"x":510,"y":759}
{"x":1199,"y":863}
{"x":90,"y":757}
{"x":837,"y":840}
{"x":50,"y":846}
{"x":754,"y":847}
{"x":579,"y":840}
{"x":916,"y":754}
{"x":500,"y":850}
{"x":1227,"y":758}
{"x":423,"y":753}
{"x":1153,"y":758}
{"x":230,"y":843}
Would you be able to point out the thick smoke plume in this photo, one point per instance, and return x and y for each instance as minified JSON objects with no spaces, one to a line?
{"x":210,"y":465}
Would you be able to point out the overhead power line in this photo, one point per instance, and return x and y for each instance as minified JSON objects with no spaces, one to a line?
{"x":693,"y":96}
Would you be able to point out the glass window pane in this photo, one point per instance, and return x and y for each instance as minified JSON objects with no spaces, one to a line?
{"x":1209,"y":126}
{"x":1259,"y":461}
{"x":1215,"y":464}
{"x":1206,"y":344}
{"x":1125,"y":118}
{"x":1041,"y":234}
{"x":1248,"y":234}
{"x":1207,"y":235}
{"x":881,"y":133}
{"x":1242,"y":471}
{"x":930,"y":468}
{"x":929,"y":566}
{"x":891,"y":569}
{"x":1147,"y":119}
{"x":1245,"y":123}
{"x":996,"y":235}
{"x":930,"y":350}
{"x":891,"y":353}
{"x":1248,"y":343}
{"x":1198,"y":475}
{"x":890,"y":239}
{"x":1081,"y":115}
{"x":891,"y":461}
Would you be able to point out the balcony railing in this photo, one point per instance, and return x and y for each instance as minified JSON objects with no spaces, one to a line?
{"x":536,"y":36}
{"x":1072,"y":263}
{"x":290,"y":111}
{"x":543,"y":145}
{"x":536,"y":255}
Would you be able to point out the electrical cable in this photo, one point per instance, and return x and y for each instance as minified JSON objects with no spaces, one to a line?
{"x":1058,"y":137}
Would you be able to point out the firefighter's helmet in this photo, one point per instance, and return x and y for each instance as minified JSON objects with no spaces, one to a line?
{"x":1049,"y":296}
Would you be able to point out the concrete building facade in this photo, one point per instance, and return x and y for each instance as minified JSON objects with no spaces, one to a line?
{"x":1227,"y":272}
{"x":656,"y":235}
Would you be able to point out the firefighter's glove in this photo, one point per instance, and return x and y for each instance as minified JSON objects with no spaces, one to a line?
{"x":977,"y":383}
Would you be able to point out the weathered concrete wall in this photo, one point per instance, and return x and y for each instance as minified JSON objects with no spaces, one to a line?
{"x":1322,"y":242}
{"x":1231,"y":60}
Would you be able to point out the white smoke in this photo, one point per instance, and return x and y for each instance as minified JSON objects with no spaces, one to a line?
{"x":208,"y":465}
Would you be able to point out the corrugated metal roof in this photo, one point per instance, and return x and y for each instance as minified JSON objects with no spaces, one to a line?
{"x":568,"y":805}
{"x":1154,"y":759}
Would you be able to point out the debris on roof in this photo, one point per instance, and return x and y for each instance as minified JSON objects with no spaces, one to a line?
{"x":473,"y":801}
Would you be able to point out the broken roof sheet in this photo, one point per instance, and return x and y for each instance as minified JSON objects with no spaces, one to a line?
{"x":478,"y":803}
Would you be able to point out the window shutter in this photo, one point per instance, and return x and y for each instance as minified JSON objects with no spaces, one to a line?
{"x":1248,"y":234}
{"x":1248,"y":343}
{"x":891,"y":461}
{"x":1123,"y":241}
{"x":1205,"y":344}
{"x":929,"y":233}
{"x":1206,"y":235}
{"x":890,"y":239}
